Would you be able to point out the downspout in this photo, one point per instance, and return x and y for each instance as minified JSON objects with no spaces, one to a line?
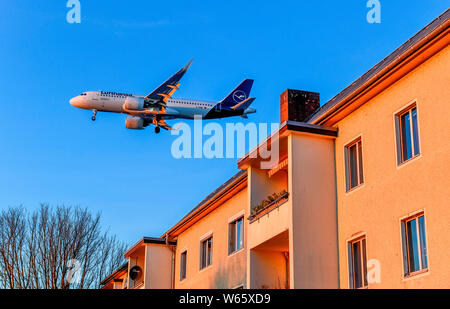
{"x":286,"y":258}
{"x":172,"y":264}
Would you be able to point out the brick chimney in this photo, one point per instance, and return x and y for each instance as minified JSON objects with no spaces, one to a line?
{"x":297,"y":105}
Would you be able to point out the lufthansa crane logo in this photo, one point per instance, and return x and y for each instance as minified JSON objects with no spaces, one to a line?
{"x":239,"y":96}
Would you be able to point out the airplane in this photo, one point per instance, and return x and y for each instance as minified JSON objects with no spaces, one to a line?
{"x":158,"y":106}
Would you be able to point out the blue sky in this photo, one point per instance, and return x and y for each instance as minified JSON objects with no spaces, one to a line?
{"x":52,"y":152}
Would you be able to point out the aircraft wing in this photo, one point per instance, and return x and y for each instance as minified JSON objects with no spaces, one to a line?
{"x":166,"y":90}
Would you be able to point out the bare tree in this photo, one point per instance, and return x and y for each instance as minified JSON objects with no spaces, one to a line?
{"x":55,"y":248}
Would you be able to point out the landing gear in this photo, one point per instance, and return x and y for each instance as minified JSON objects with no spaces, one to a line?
{"x":95,"y":114}
{"x":157,"y":130}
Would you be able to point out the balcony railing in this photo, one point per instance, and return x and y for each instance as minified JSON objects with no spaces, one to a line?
{"x":138,"y":285}
{"x":261,"y":211}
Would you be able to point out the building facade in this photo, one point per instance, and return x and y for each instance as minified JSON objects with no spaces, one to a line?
{"x":359,"y":197}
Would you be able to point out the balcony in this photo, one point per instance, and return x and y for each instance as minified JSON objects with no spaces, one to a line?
{"x":150,"y":264}
{"x":269,"y":263}
{"x":266,"y":206}
{"x":136,"y":269}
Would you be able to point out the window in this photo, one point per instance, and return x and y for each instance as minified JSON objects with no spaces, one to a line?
{"x":414,"y":244}
{"x":353,"y":164}
{"x":183,"y":263}
{"x":357,"y":263}
{"x":236,"y":235}
{"x":206,"y":252}
{"x":407,"y":135}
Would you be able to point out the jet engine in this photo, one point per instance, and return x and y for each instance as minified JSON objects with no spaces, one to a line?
{"x":133,"y":103}
{"x":135,"y":123}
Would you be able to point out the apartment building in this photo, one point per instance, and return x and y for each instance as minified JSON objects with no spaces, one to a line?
{"x":392,"y":167}
{"x":359,"y":197}
{"x":117,"y":279}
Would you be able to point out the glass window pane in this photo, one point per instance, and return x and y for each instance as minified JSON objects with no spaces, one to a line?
{"x":413,"y":250}
{"x":350,"y":265}
{"x":406,"y":136}
{"x":209,"y":252}
{"x":352,"y":166}
{"x":423,"y":242}
{"x":357,"y":264}
{"x":238,"y":234}
{"x":206,"y":257}
{"x":404,"y":249}
{"x":415,"y":132}
{"x":241,"y":233}
{"x":361,"y":178}
{"x":203,"y":255}
{"x":233,"y":237}
{"x":183,"y":265}
{"x":364,"y":261}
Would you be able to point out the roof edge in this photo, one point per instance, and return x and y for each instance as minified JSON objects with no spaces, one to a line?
{"x":294,"y":126}
{"x":206,"y":202}
{"x":148,"y":240}
{"x":121,"y":268}
{"x":415,"y":43}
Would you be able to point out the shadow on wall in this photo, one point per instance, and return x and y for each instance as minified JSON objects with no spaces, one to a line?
{"x":231,"y":276}
{"x":269,"y":269}
{"x":280,"y":285}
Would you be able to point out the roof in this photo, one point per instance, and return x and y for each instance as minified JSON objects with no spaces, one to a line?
{"x":203,"y":204}
{"x":158,"y":241}
{"x":122,"y":268}
{"x":288,"y":125}
{"x":413,"y":44}
{"x":149,"y":240}
{"x":212,"y":196}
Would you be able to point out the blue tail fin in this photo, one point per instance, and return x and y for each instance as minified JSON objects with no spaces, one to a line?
{"x":239,"y":94}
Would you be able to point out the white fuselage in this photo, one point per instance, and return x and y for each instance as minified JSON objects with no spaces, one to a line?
{"x":114,"y":102}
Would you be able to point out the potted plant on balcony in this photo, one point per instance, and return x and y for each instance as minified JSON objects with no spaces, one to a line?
{"x":269,"y":201}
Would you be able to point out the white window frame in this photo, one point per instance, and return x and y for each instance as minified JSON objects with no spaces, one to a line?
{"x":202,"y":239}
{"x":185,"y":265}
{"x":232,"y":224}
{"x":398,"y":133}
{"x":405,"y":255}
{"x":347,"y":166}
{"x":357,"y":238}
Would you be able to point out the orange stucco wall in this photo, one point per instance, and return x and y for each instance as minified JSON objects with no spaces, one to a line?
{"x":391,"y":192}
{"x":158,"y":267}
{"x":313,"y":241}
{"x":226,"y":271}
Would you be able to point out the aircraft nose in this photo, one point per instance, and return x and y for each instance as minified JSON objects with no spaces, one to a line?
{"x":75,"y":101}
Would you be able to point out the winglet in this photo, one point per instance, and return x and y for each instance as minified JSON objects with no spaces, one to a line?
{"x":186,"y":67}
